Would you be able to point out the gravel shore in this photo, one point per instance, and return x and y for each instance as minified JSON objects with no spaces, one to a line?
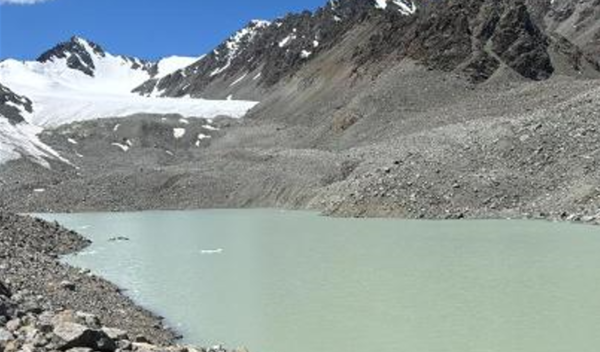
{"x":46,"y":305}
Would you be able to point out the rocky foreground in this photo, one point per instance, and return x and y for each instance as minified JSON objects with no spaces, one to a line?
{"x":48,"y":306}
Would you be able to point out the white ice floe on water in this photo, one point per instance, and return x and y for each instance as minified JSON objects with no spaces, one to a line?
{"x":212,"y":251}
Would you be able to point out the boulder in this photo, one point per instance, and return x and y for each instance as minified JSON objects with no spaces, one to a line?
{"x":13,"y":325}
{"x":88,"y":319}
{"x":125,"y":345}
{"x":146,"y":347}
{"x":5,"y":336}
{"x":66,"y":316}
{"x":68,"y":285}
{"x":115,"y":334}
{"x":72,"y":335}
{"x":4,"y":291}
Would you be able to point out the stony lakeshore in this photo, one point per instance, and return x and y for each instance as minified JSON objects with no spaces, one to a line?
{"x":46,"y":305}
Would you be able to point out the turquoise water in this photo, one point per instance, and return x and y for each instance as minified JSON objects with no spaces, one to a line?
{"x":278,"y":281}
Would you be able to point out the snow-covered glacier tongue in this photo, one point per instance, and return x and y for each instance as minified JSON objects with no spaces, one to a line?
{"x":78,"y":80}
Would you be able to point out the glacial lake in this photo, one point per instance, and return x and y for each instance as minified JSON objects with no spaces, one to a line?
{"x":278,"y":281}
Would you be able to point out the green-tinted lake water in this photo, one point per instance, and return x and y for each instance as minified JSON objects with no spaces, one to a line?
{"x":277,"y":281}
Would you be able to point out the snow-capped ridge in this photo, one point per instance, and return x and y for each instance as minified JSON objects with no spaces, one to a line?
{"x":230,"y":48}
{"x":405,"y":7}
{"x":79,"y":54}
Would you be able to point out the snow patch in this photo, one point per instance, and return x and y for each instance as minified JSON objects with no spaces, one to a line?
{"x":22,"y":139}
{"x":305,"y":54}
{"x":172,"y":64}
{"x":238,"y":80}
{"x":178,"y":132}
{"x":405,"y":7}
{"x":123,"y":147}
{"x":210,"y":128}
{"x":287,"y":40}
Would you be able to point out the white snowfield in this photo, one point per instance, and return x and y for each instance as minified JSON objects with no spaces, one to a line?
{"x":22,"y":139}
{"x":62,"y":95}
{"x":52,"y":110}
{"x":171,"y":64}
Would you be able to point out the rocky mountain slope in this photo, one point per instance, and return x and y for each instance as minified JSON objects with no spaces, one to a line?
{"x":474,"y":38}
{"x":578,"y":21}
{"x":14,"y":107}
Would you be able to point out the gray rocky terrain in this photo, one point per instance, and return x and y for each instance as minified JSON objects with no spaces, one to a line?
{"x":528,"y":150}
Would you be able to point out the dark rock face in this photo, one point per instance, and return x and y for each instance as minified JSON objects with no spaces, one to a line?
{"x":12,"y":105}
{"x":521,"y":44}
{"x":273,"y":49}
{"x":4,"y":291}
{"x":80,"y":54}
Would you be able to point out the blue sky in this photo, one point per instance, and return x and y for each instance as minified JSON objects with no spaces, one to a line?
{"x":149,"y":29}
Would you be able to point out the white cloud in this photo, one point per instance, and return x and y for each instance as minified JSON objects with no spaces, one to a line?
{"x":21,"y":2}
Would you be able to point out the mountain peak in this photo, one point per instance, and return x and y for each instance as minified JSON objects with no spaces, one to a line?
{"x":259,"y":23}
{"x":78,"y":52}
